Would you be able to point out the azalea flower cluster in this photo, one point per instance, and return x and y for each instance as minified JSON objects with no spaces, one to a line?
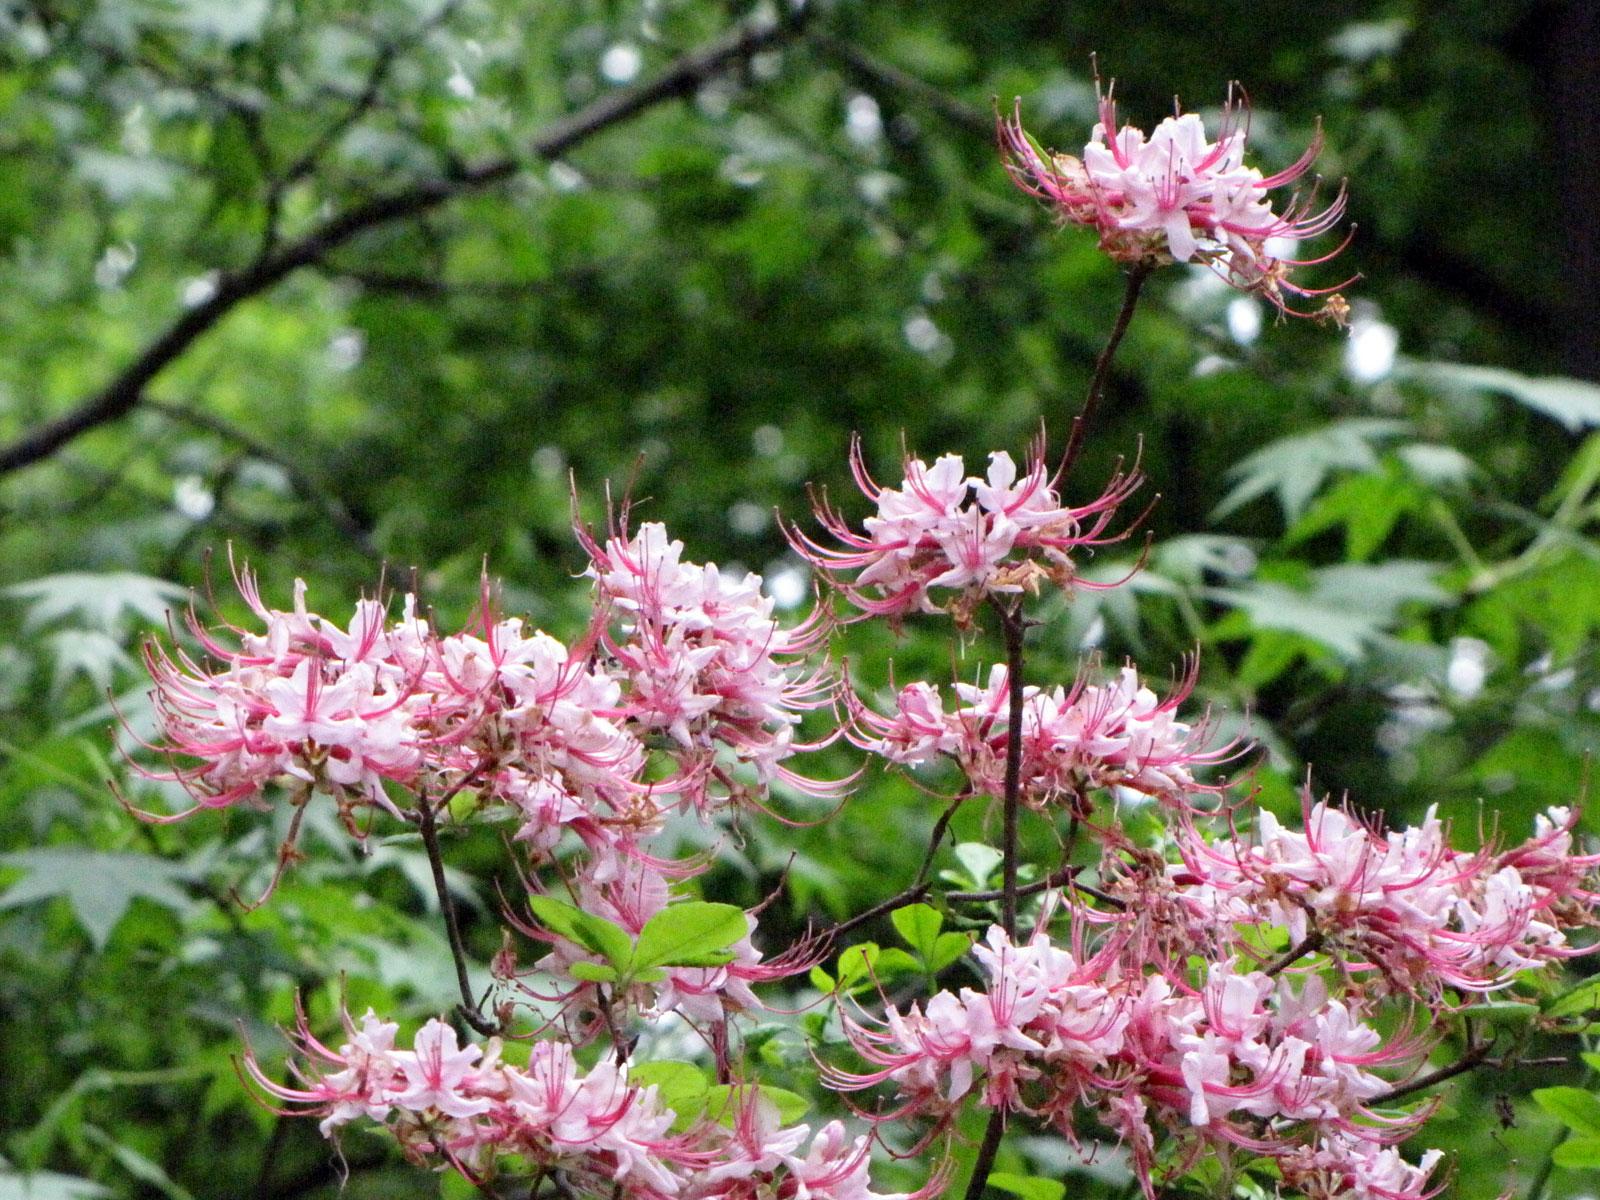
{"x":1162,"y":1021}
{"x":562,"y":734}
{"x":468,"y":1108}
{"x":1401,"y":905}
{"x":708,"y":666}
{"x":1240,"y":1060}
{"x":1177,"y":196}
{"x":693,"y":671}
{"x":943,"y":530}
{"x":303,"y":703}
{"x":1076,"y":740}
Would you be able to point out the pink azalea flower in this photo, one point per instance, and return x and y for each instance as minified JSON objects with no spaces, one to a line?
{"x":1176,"y":196}
{"x":439,"y":1073}
{"x":944,"y":531}
{"x":1403,"y":904}
{"x":1078,"y":740}
{"x":707,"y":666}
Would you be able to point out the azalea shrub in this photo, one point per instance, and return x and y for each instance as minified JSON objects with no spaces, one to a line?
{"x":1135,"y":960}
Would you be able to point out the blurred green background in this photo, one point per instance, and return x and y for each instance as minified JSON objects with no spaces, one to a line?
{"x":1379,"y":541}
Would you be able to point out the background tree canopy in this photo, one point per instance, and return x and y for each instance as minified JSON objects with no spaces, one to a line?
{"x":345,"y":285}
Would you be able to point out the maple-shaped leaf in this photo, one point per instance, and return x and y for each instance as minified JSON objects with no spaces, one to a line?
{"x":96,"y":601}
{"x":1295,"y":467}
{"x":99,"y":886}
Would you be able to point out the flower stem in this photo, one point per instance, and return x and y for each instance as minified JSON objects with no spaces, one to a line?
{"x":1309,"y":944}
{"x":468,"y":1007}
{"x":1475,"y":1053}
{"x":1102,"y":365}
{"x":1541,"y":1177}
{"x":1014,"y":629}
{"x":987,"y":1150}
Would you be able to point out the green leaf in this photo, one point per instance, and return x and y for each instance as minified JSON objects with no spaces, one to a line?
{"x":919,"y":926}
{"x":1271,"y":653}
{"x":230,"y":22}
{"x":1575,"y":1108}
{"x":94,"y":601}
{"x":1532,"y":765}
{"x":1347,"y":607}
{"x":1575,"y":403}
{"x":98,"y":886}
{"x":1503,"y":1012}
{"x":1384,"y":588}
{"x":588,"y":972}
{"x":722,"y":1101}
{"x":593,"y":933}
{"x":1367,"y":506}
{"x":1575,"y":1001}
{"x":693,"y":933}
{"x":126,"y":177}
{"x":1029,"y":1187}
{"x":857,"y":963}
{"x":48,"y":1185}
{"x":137,"y":1165}
{"x":1577,"y":1153}
{"x":90,"y":653}
{"x":680,"y":1086}
{"x":1436,"y":466}
{"x":1295,"y":467}
{"x":1560,"y":599}
{"x":947,"y":948}
{"x":895,"y":961}
{"x":980,"y":860}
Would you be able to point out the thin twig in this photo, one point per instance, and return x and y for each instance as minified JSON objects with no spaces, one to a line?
{"x":468,"y":1007}
{"x":338,"y":512}
{"x":1011,"y":625}
{"x":125,"y":392}
{"x":910,"y":896}
{"x":1137,"y":274}
{"x":939,"y":827}
{"x":1059,"y":879}
{"x":1309,"y":944}
{"x":920,"y":886}
{"x":987,"y":1149}
{"x":1475,"y":1056}
{"x":873,"y":71}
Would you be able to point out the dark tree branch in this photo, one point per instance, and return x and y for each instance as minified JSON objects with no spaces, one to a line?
{"x":1310,"y":944}
{"x":1137,"y":274}
{"x":338,"y":512}
{"x":1014,"y":630}
{"x":910,"y":896}
{"x":468,"y":1008}
{"x":993,"y":1132}
{"x":126,"y":391}
{"x":872,"y":72}
{"x":1476,"y":1054}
